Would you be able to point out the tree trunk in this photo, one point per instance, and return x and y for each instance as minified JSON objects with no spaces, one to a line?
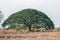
{"x":29,"y":28}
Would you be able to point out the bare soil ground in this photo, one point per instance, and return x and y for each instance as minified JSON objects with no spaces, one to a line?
{"x":26,"y":35}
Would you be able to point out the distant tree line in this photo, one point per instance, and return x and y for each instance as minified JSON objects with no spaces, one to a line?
{"x":1,"y":16}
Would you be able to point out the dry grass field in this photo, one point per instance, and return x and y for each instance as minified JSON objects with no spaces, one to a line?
{"x":26,"y":35}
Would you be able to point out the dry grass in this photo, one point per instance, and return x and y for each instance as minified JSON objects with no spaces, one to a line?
{"x":26,"y":35}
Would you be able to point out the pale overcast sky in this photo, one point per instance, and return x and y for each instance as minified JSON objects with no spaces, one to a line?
{"x":50,"y":7}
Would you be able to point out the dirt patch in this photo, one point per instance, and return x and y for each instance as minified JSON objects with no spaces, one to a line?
{"x":26,"y":35}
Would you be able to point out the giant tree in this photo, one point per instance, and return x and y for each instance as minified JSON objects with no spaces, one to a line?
{"x":30,"y":17}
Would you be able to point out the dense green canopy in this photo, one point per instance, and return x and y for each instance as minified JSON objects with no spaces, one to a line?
{"x":29,"y":17}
